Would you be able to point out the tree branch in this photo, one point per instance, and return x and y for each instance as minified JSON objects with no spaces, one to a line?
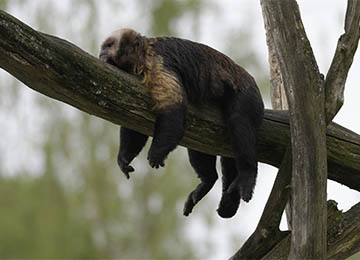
{"x":343,"y":235}
{"x":277,"y":90}
{"x":305,"y":95}
{"x":343,"y":58}
{"x":60,"y":70}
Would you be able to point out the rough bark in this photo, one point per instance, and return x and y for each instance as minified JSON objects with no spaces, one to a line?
{"x":305,"y":94}
{"x":277,"y":93}
{"x":277,"y":90}
{"x":60,"y":70}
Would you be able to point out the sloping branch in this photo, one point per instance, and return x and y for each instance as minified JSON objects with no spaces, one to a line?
{"x":60,"y":70}
{"x":343,"y":58}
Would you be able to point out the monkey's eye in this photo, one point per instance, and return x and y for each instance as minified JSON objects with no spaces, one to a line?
{"x":108,"y":44}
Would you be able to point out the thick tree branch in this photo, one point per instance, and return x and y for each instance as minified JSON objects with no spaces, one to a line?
{"x":343,"y":58}
{"x":64,"y":72}
{"x":305,"y":95}
{"x":277,"y":90}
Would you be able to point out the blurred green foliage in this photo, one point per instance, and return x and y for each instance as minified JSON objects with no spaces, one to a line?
{"x":166,"y":12}
{"x":77,"y":203}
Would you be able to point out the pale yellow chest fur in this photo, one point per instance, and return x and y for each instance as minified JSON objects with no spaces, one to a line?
{"x":164,"y":86}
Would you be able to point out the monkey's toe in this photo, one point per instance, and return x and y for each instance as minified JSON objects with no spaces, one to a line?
{"x":155,"y":160}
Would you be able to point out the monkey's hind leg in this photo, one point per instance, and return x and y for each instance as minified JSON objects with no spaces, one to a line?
{"x":205,"y":167}
{"x":131,"y":144}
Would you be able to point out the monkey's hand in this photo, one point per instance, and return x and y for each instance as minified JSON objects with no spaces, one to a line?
{"x":155,"y":159}
{"x":125,"y":166}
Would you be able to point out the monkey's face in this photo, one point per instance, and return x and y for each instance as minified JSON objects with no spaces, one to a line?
{"x":110,"y":48}
{"x":119,"y":49}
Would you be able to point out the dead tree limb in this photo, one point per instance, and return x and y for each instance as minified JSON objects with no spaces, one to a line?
{"x":60,"y":70}
{"x":305,"y":94}
{"x":277,"y":92}
{"x":343,"y":58}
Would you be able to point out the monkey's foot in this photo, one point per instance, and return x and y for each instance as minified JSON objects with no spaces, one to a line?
{"x":229,"y":204}
{"x":124,"y":166}
{"x":155,"y":159}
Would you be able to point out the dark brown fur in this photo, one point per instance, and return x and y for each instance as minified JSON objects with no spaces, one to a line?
{"x":177,"y":72}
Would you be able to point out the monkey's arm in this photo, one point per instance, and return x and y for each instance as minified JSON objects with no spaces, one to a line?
{"x":169,"y":130}
{"x":131,"y":144}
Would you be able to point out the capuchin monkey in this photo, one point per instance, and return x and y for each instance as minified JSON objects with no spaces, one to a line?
{"x":178,"y":72}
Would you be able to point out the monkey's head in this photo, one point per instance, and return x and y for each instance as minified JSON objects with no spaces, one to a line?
{"x":124,"y":49}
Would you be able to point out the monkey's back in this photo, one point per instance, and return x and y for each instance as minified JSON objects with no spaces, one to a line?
{"x":205,"y":73}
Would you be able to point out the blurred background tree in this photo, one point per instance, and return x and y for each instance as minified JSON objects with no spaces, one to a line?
{"x":61,"y":192}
